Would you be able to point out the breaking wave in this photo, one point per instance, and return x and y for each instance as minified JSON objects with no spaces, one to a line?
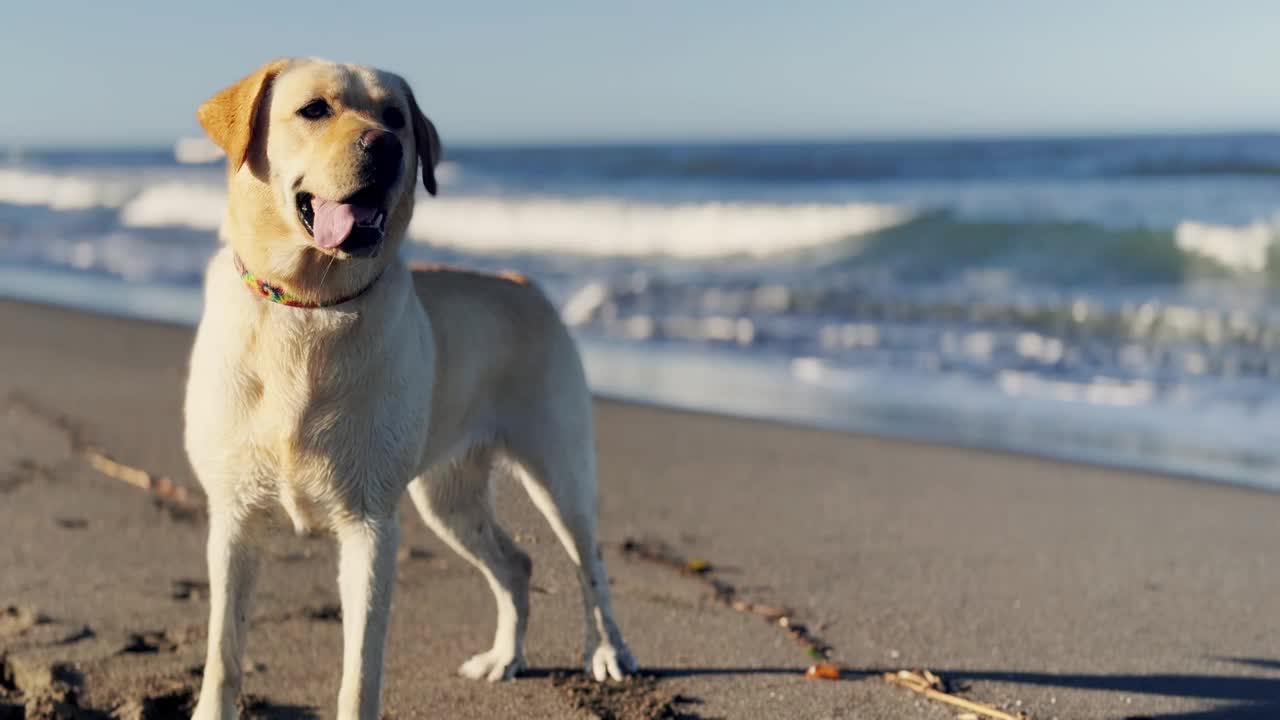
{"x":496,"y":224}
{"x":909,"y":242}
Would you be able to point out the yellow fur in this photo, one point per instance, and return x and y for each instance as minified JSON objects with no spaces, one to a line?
{"x":431,"y":381}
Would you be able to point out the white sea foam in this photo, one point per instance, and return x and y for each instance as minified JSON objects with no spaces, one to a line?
{"x":447,"y":172}
{"x":196,"y":151}
{"x":583,"y":304}
{"x":1096,"y":391}
{"x":61,"y":192}
{"x":177,"y":204}
{"x":634,"y":229}
{"x":1243,"y":248}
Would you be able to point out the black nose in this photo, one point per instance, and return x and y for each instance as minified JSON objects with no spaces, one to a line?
{"x":383,"y":153}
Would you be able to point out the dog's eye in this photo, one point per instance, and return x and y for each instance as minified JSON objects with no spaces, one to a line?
{"x":315,"y":110}
{"x":393,"y":118}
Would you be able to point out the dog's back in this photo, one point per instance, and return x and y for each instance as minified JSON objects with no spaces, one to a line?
{"x":501,"y":350}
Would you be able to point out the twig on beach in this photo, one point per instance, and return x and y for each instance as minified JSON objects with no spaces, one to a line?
{"x":165,"y":490}
{"x":727,"y":595}
{"x":922,"y":681}
{"x":173,"y":496}
{"x":930,"y":685}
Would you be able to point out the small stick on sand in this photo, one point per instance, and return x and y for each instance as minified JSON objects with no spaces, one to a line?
{"x":162,"y":487}
{"x":105,"y":465}
{"x":175,"y":496}
{"x":727,"y":595}
{"x":928,"y":684}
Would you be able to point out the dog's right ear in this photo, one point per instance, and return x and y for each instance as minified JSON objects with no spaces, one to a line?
{"x":230,"y":116}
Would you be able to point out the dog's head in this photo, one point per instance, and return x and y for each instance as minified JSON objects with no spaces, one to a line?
{"x":322,"y":161}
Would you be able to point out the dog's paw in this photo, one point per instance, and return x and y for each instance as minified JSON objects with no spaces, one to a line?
{"x":607,"y":662}
{"x":493,"y":666}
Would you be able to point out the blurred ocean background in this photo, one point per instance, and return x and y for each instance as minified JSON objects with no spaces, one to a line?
{"x":1104,"y":299}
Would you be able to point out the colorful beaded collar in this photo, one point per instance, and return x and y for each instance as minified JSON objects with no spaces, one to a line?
{"x":277,"y":294}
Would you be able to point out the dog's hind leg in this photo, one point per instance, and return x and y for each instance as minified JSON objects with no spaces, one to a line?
{"x":233,"y":557}
{"x":456,"y":502}
{"x":555,"y":461}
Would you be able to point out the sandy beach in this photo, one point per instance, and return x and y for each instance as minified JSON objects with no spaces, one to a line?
{"x":1051,"y":589}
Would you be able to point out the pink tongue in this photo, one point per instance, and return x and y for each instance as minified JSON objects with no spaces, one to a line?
{"x":334,"y":220}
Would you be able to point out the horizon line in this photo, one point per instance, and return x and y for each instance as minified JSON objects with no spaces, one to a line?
{"x":729,"y":140}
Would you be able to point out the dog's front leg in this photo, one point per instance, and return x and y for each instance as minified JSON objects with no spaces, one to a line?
{"x":233,"y":565}
{"x":366,"y":575}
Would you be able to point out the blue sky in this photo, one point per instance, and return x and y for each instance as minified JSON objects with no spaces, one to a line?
{"x":133,"y":72}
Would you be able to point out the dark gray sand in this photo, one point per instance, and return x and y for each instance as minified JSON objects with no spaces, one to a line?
{"x":1053,"y":589}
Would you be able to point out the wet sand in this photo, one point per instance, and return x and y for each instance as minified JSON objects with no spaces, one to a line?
{"x":1054,"y":589}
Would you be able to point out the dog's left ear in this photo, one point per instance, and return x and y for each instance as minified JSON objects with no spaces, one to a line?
{"x":230,"y":116}
{"x":427,"y":141}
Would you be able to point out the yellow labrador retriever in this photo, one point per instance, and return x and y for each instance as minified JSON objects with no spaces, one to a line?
{"x":327,"y":377}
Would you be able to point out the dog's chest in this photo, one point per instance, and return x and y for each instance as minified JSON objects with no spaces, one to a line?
{"x":322,"y":428}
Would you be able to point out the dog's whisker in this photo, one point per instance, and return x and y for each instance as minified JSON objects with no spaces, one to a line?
{"x":325,"y":274}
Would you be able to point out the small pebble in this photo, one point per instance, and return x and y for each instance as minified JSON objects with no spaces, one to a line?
{"x":823,"y":671}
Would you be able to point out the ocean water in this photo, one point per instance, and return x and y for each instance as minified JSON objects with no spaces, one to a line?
{"x":1115,"y":300}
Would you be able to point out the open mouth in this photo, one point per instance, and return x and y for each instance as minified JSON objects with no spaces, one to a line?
{"x":355,"y":225}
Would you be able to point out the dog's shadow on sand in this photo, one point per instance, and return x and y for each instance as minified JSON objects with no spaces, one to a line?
{"x":265,"y":709}
{"x":1239,"y":697}
{"x":662,"y":673}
